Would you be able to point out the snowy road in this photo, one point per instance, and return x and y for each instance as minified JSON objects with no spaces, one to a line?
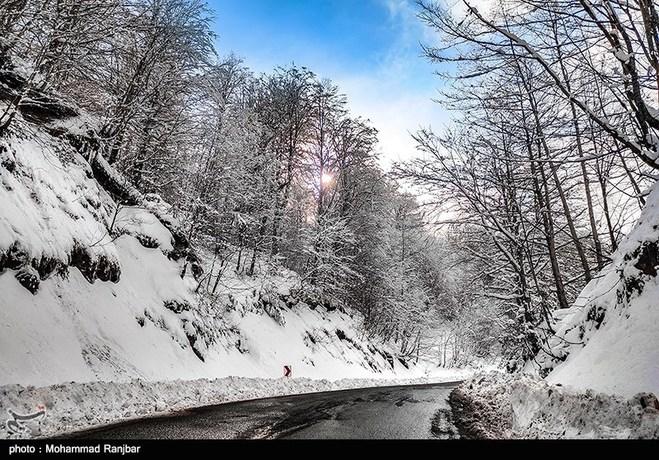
{"x":419,"y":412}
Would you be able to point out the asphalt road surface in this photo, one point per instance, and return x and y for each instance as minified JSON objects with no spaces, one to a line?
{"x":401,"y":412}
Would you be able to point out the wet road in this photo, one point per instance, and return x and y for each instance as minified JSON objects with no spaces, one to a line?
{"x":402,"y":412}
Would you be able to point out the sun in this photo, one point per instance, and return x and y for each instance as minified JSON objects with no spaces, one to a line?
{"x":327,"y":178}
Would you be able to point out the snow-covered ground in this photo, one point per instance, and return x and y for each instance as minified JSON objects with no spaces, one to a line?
{"x":497,"y":405}
{"x":601,"y":371}
{"x":98,"y":322}
{"x":71,"y":330}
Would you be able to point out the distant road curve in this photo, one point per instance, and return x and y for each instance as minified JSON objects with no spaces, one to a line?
{"x":398,"y":412}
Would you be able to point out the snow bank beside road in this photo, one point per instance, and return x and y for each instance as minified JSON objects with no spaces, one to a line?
{"x":77,"y":406}
{"x":499,"y":405}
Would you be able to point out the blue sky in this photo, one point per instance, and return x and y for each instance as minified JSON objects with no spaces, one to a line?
{"x":370,"y":48}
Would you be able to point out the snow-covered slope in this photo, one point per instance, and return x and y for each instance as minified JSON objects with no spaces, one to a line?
{"x":608,"y":341}
{"x":92,"y":291}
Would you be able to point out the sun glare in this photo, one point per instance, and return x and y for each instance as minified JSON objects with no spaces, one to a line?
{"x":327,"y":178}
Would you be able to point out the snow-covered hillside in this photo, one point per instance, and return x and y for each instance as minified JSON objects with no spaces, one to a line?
{"x":92,"y":291}
{"x":608,"y":340}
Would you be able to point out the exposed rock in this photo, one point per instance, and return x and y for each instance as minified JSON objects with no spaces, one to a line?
{"x":107,"y":269}
{"x":15,"y":257}
{"x":387,"y":356}
{"x":46,"y":266}
{"x":94,"y":267}
{"x":34,"y":105}
{"x":147,"y":241}
{"x":29,"y":278}
{"x":340,"y":334}
{"x":648,"y":258}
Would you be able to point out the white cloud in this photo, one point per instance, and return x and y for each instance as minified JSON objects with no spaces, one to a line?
{"x":393,"y":97}
{"x":395,"y":110}
{"x":397,"y":96}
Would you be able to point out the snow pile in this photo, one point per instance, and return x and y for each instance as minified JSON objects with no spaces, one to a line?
{"x":608,"y":340}
{"x":75,"y":406}
{"x":497,"y":405}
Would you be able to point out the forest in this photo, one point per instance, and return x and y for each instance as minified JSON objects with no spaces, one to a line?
{"x":551,"y":156}
{"x":263,"y":171}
